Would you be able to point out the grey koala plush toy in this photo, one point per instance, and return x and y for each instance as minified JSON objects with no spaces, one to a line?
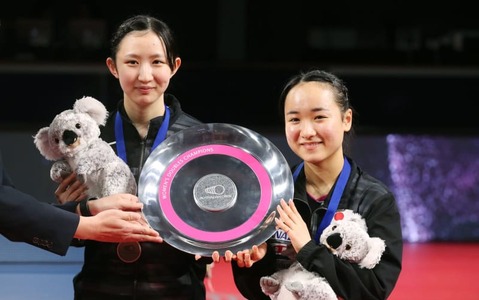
{"x":73,"y":142}
{"x":347,"y":238}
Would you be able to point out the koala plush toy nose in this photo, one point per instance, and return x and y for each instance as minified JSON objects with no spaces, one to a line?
{"x":69,"y":137}
{"x":334,"y":240}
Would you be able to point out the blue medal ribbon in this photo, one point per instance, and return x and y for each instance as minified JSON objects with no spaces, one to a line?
{"x":120,"y":139}
{"x":335,"y":197}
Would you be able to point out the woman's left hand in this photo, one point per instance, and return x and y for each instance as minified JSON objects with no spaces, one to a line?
{"x":291,"y":222}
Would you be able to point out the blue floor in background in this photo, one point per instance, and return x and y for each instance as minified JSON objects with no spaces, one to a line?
{"x":32,"y":281}
{"x":27,"y":272}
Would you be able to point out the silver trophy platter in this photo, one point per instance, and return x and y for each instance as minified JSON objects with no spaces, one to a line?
{"x":214,"y":187}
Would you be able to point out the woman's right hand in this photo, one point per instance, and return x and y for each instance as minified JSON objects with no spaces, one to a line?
{"x":71,"y":189}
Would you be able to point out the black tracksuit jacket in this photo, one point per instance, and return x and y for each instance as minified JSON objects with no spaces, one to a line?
{"x":364,"y":195}
{"x":162,"y":271}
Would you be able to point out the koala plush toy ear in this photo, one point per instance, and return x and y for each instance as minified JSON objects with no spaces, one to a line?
{"x":42,"y":142}
{"x":376,"y":249}
{"x":94,"y":108}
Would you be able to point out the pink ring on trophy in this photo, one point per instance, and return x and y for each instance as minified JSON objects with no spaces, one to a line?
{"x":253,"y":220}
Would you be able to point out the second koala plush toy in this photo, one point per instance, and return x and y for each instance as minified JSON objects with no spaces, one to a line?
{"x":73,"y":142}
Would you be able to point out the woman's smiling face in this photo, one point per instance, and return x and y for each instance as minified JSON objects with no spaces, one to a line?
{"x":314,"y":124}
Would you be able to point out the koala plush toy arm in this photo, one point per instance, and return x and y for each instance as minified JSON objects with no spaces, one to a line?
{"x":59,"y":170}
{"x":73,"y":142}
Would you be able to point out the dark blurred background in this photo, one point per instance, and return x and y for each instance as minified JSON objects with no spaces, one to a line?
{"x":411,"y":66}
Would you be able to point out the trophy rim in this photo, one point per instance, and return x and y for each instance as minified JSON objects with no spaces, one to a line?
{"x":238,"y":145}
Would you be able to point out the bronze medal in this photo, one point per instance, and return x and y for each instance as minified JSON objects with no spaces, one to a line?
{"x":128,"y":252}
